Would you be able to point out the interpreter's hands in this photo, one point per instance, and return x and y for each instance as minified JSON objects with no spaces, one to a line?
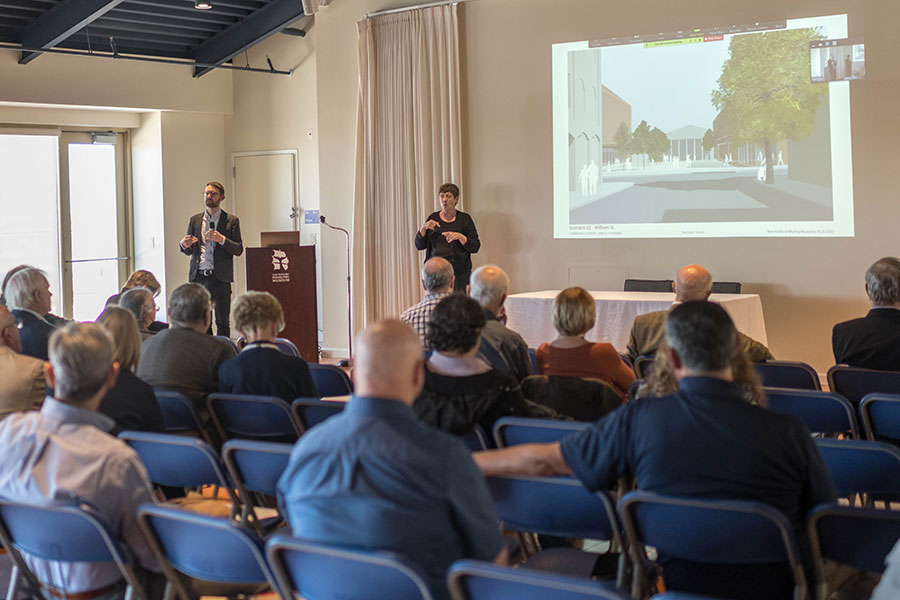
{"x":455,"y":236}
{"x":429,"y":225}
{"x":188,"y":241}
{"x":213,"y":235}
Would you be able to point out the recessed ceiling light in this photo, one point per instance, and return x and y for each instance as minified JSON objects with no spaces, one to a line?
{"x":202,"y":5}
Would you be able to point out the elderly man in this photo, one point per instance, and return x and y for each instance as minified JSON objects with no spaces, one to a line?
{"x":704,"y":441}
{"x":139,"y":301}
{"x":873,"y":341}
{"x":692,"y":283}
{"x":183,"y":358}
{"x":63,"y":455}
{"x":437,"y":279}
{"x":501,"y":347}
{"x":374,"y":477}
{"x":28,"y":295}
{"x":21,"y":377}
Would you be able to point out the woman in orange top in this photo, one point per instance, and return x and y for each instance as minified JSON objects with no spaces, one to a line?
{"x":570,"y":354}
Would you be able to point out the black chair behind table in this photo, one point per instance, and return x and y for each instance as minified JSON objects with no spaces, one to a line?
{"x":849,"y":535}
{"x":643,"y":366}
{"x":180,"y":415}
{"x":478,"y":580}
{"x":870,"y":469}
{"x":255,"y":468}
{"x":648,"y":285}
{"x":853,"y":383}
{"x":788,"y":374}
{"x":726,"y":287}
{"x":330,"y":380}
{"x":253,"y":417}
{"x":309,"y":412}
{"x":63,"y":534}
{"x":720,"y":532}
{"x":205,"y":556}
{"x":512,"y":431}
{"x":821,"y":412}
{"x":881,"y":417}
{"x":583,"y":399}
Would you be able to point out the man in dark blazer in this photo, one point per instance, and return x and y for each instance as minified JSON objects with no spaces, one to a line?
{"x":213,"y":237}
{"x":873,"y":341}
{"x":28,"y":295}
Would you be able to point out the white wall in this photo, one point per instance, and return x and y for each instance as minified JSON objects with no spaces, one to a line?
{"x":147,"y":171}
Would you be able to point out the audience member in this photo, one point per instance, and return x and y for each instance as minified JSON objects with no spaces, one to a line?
{"x":873,"y":341}
{"x":375,"y":478}
{"x":571,"y":354}
{"x":692,"y":282}
{"x":143,"y":279}
{"x":21,"y":377}
{"x":501,"y":347}
{"x":131,"y":402}
{"x":184,"y":358}
{"x":28,"y":295}
{"x":260,"y":368}
{"x":461,"y":390}
{"x":49,"y":317}
{"x":703,"y":441}
{"x":437,"y":279}
{"x":139,"y":300}
{"x":63,"y":455}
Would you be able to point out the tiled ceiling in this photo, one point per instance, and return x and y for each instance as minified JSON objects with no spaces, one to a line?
{"x":154,"y":28}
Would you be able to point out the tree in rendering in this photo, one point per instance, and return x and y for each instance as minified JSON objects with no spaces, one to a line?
{"x":622,"y":140}
{"x":708,"y":142}
{"x":765,"y":93}
{"x":659,"y":144}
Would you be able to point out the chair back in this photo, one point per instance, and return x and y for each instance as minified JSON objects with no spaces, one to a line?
{"x":252,"y":417}
{"x":648,"y":285}
{"x":881,"y":416}
{"x":178,"y":461}
{"x":726,"y":287}
{"x":255,"y":466}
{"x":512,"y":431}
{"x":330,"y":380}
{"x":228,"y":342}
{"x":788,"y":374}
{"x":559,"y":506}
{"x":63,"y":534}
{"x":532,"y":360}
{"x":852,"y":535}
{"x":821,"y":412}
{"x":476,"y":440}
{"x":203,"y":547}
{"x":179,"y":414}
{"x":583,"y":399}
{"x":643,"y":365}
{"x":309,"y":412}
{"x":854,"y":384}
{"x":286,"y":346}
{"x":711,"y":531}
{"x":314,"y":570}
{"x":862,"y":467}
{"x":477,"y":580}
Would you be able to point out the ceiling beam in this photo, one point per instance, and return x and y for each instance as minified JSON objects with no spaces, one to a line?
{"x":255,"y":28}
{"x":61,"y":22}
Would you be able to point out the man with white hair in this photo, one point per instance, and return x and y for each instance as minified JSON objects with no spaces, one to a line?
{"x":28,"y":295}
{"x":438,"y":281}
{"x":63,"y":455}
{"x":21,"y":377}
{"x":692,"y":283}
{"x":374,"y":477}
{"x":501,"y":347}
{"x":873,"y":341}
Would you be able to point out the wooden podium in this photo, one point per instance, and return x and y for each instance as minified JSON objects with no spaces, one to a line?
{"x":289,"y":274}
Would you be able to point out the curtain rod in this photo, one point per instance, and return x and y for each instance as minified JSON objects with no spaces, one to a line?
{"x":390,"y":11}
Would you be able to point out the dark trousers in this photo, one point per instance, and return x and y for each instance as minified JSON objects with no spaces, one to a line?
{"x":461,"y":280}
{"x":221,"y":297}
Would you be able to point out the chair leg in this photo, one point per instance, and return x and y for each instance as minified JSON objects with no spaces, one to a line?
{"x":13,"y":588}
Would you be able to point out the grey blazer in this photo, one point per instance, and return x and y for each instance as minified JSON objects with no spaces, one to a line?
{"x":230,"y":227}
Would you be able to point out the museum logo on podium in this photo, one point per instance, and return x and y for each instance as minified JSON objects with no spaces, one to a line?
{"x":280,"y":265}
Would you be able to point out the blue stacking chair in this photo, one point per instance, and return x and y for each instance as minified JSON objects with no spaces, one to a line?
{"x":857,"y":537}
{"x":788,"y":374}
{"x":252,"y":417}
{"x":317,"y":571}
{"x":255,"y":468}
{"x":643,"y":366}
{"x":477,"y":580}
{"x":862,"y":467}
{"x":476,"y":439}
{"x":512,"y":431}
{"x":309,"y":412}
{"x":708,"y":531}
{"x":533,"y":361}
{"x":330,"y":380}
{"x":179,"y":414}
{"x":180,"y":462}
{"x":286,"y":346}
{"x":223,"y":557}
{"x":881,"y":416}
{"x":60,"y":533}
{"x":561,"y":507}
{"x":821,"y":412}
{"x":228,"y":342}
{"x":680,"y":596}
{"x":854,"y":384}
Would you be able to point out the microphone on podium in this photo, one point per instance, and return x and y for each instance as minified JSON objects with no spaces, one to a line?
{"x":347,"y":361}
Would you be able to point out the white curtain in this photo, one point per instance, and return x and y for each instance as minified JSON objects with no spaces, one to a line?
{"x":408,"y":143}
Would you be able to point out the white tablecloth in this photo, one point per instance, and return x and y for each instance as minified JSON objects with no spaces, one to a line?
{"x":530,"y":314}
